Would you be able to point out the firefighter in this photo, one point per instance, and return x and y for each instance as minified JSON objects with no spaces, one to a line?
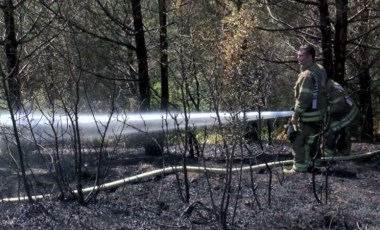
{"x":309,"y":109}
{"x":342,"y":112}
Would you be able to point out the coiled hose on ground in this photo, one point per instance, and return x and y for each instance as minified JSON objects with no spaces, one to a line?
{"x":199,"y":169}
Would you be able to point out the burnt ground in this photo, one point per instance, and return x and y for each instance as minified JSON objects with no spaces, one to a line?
{"x":353,"y":200}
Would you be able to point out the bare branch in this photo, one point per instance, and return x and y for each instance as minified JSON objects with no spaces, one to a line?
{"x":19,"y":3}
{"x":286,"y":29}
{"x":98,"y":75}
{"x":24,"y":39}
{"x":277,"y":61}
{"x":306,"y":2}
{"x":369,"y":66}
{"x":101,"y":37}
{"x":365,"y":33}
{"x":365,"y":45}
{"x":115,"y":20}
{"x":288,"y":25}
{"x":82,"y":29}
{"x":41,"y":46}
{"x":351,"y":19}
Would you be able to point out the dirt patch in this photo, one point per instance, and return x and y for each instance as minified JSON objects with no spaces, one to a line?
{"x":351,"y":201}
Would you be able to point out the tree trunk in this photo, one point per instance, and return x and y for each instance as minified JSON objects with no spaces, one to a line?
{"x":365,"y":103}
{"x":326,"y":37}
{"x":11,"y":83}
{"x":11,"y":55}
{"x":142,"y":56}
{"x":164,"y":56}
{"x":340,"y":41}
{"x":365,"y":94}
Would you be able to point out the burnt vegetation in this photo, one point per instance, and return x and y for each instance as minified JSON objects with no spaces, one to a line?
{"x":113,"y":61}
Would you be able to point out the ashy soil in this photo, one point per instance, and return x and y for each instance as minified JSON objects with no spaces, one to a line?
{"x":267,"y":199}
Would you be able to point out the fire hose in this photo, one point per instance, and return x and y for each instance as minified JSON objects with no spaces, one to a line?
{"x":195,"y":169}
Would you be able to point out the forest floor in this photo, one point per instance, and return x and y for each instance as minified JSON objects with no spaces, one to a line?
{"x":353,"y":197}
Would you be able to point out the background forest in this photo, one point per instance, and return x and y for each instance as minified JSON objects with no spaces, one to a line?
{"x":176,"y":55}
{"x":130,"y":56}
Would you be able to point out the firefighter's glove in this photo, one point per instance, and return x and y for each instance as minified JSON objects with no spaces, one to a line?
{"x":291,"y":131}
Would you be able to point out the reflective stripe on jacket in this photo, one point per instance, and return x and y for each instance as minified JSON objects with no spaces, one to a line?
{"x":312,"y":116}
{"x":346,"y":120}
{"x":342,"y":109}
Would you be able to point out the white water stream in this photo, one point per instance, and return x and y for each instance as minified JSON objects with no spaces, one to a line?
{"x":44,"y":126}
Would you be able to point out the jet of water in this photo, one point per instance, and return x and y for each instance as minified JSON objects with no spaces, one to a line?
{"x":91,"y":125}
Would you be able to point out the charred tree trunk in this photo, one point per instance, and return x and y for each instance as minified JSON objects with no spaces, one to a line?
{"x":11,"y":45}
{"x":164,"y":56}
{"x":365,"y":93}
{"x":326,"y":37}
{"x":142,"y":56}
{"x":154,"y":145}
{"x":365,"y":103}
{"x":340,"y":41}
{"x":11,"y":84}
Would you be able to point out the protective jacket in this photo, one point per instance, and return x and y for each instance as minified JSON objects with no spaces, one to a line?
{"x":342,"y":110}
{"x":310,"y":93}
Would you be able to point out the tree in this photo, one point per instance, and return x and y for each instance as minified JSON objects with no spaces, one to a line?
{"x":340,"y":40}
{"x":10,"y":47}
{"x":363,"y":56}
{"x":164,"y":64}
{"x":142,"y":56}
{"x":17,"y":33}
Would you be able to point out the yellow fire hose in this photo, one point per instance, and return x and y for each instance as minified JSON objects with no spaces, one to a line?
{"x":197,"y":169}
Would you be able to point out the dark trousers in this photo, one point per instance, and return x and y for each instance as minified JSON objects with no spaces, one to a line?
{"x":338,"y":142}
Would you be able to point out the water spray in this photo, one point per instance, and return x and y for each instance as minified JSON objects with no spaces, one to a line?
{"x":91,"y":125}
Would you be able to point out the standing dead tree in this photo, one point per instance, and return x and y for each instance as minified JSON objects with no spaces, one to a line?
{"x":142,"y":56}
{"x":10,"y":47}
{"x":17,"y":33}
